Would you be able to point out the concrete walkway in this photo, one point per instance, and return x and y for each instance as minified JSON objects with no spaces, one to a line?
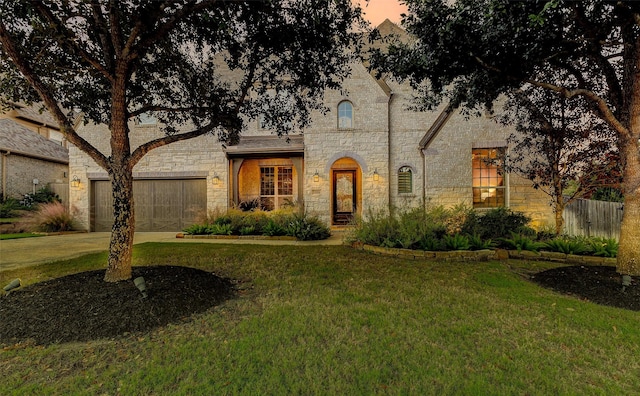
{"x":15,"y":253}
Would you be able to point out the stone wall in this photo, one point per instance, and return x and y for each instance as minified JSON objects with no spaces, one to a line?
{"x":202,"y":155}
{"x":21,"y":171}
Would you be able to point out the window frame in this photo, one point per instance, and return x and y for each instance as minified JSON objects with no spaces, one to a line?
{"x":276,"y":185}
{"x":402,"y":171}
{"x":489,"y":181}
{"x":350,"y":113}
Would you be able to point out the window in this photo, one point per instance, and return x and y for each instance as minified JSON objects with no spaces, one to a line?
{"x":405,"y":180}
{"x":345,"y":115}
{"x":276,"y":186}
{"x":488,"y":177}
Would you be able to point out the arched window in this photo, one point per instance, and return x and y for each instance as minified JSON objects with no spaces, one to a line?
{"x":345,"y":115}
{"x":405,"y":180}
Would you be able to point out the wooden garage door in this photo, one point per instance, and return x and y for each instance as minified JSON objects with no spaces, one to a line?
{"x":160,"y":205}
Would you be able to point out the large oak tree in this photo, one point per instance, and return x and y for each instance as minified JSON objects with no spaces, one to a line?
{"x":472,"y":51}
{"x":199,"y":66}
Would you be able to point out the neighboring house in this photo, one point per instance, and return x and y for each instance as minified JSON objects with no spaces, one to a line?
{"x":369,"y":152}
{"x":38,"y":120}
{"x":28,"y":162}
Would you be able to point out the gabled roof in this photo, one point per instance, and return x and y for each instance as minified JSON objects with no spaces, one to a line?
{"x":34,"y":114}
{"x":435,"y":128}
{"x":18,"y":139}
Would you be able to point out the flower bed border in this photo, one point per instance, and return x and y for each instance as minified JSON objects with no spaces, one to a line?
{"x":246,"y":237}
{"x":486,"y":255}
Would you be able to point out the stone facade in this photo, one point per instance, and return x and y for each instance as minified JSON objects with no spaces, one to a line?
{"x":384,"y":137}
{"x":29,"y":161}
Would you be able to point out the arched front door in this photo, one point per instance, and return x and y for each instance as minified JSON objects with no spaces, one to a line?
{"x":345,"y":191}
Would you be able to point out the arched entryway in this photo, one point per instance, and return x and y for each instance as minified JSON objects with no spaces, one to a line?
{"x":346,"y":191}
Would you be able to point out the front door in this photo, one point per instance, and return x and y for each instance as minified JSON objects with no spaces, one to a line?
{"x":344,"y":196}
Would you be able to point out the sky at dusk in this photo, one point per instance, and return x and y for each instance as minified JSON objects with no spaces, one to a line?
{"x":376,"y":11}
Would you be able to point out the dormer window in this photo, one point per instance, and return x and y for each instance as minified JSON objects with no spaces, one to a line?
{"x":345,"y":115}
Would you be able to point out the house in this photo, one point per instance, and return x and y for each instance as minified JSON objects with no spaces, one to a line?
{"x":33,"y":154}
{"x":369,"y":152}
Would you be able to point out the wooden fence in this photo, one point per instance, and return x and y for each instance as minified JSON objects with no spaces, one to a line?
{"x":593,"y":218}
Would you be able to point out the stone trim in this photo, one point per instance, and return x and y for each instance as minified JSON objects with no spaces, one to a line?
{"x":242,"y":237}
{"x":153,"y":175}
{"x":347,"y":154}
{"x":486,"y":255}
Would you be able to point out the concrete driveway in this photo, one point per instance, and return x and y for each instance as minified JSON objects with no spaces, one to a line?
{"x":15,"y":253}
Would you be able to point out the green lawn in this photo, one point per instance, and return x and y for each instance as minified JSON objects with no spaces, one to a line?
{"x":331,"y":320}
{"x":20,"y":235}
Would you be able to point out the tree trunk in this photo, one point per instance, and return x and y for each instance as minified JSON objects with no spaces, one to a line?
{"x":559,"y":210}
{"x":629,"y":249}
{"x":121,"y":174}
{"x":121,"y":244}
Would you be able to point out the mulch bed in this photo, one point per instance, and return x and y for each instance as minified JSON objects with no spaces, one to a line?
{"x":598,"y":284}
{"x":83,"y":307}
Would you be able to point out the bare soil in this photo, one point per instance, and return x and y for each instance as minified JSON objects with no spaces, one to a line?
{"x":82,"y":307}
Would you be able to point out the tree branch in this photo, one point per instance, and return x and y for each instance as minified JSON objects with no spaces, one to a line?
{"x":142,"y":150}
{"x":48,"y":98}
{"x":68,"y":39}
{"x":604,"y":109}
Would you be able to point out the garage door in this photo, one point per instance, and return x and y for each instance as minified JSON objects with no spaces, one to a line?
{"x":160,"y":205}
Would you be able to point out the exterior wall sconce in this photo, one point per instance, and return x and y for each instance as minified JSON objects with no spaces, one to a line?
{"x":376,"y":176}
{"x":216,"y":179}
{"x":75,"y":182}
{"x":316,"y":177}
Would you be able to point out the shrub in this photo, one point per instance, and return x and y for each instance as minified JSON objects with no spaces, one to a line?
{"x":220,"y":229}
{"x":497,"y":223}
{"x":305,"y":228}
{"x":431,"y":243}
{"x":43,"y":195}
{"x":273,"y":228}
{"x":456,"y":242}
{"x":377,"y":228}
{"x":50,"y":217}
{"x":604,"y":247}
{"x":252,"y":223}
{"x":477,"y":243}
{"x":567,"y":245}
{"x":8,"y":207}
{"x":520,"y":242}
{"x":197,"y":229}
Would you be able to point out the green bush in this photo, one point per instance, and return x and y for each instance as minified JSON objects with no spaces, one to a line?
{"x":42,"y":196}
{"x":220,"y":229}
{"x":497,"y":223}
{"x":197,"y":229}
{"x":477,"y":243}
{"x":273,"y":228}
{"x":604,"y":247}
{"x":456,"y":242}
{"x":520,"y":242}
{"x":567,"y":245}
{"x":306,"y":228}
{"x":257,"y":222}
{"x":8,"y":207}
